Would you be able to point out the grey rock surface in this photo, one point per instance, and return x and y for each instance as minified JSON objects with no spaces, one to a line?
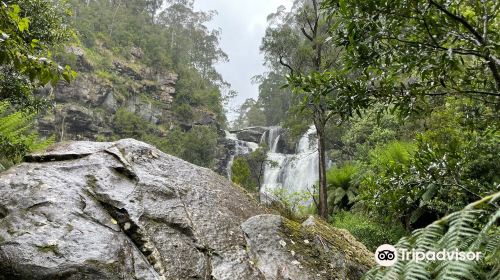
{"x":283,"y":249}
{"x":121,"y":210}
{"x":251,"y":134}
{"x":98,"y":95}
{"x":125,"y":210}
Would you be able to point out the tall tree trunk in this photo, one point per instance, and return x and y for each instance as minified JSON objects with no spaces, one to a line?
{"x":113,"y":19}
{"x":323,"y":196}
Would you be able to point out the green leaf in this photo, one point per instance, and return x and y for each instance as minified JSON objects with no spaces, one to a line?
{"x":429,"y":193}
{"x":34,"y":43}
{"x":23,"y":24}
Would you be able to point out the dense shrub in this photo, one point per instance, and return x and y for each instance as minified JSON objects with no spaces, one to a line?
{"x":368,"y":231}
{"x":342,"y":186}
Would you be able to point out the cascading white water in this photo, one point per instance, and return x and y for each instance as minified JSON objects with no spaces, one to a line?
{"x":293,"y":172}
{"x":240,"y":148}
{"x":296,"y":172}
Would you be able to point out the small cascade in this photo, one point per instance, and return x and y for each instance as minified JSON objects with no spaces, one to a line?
{"x":240,"y":148}
{"x":273,"y":138}
{"x":294,"y":172}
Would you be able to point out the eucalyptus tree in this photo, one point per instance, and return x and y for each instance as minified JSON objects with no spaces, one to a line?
{"x":422,"y":48}
{"x":298,"y":42}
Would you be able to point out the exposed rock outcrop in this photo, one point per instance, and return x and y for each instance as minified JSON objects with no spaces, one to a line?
{"x":251,"y":134}
{"x":125,"y":210}
{"x":283,"y":249}
{"x":99,"y":92}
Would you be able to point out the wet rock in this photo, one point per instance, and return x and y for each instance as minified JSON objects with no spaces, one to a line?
{"x":126,"y":70}
{"x":208,"y":120}
{"x":251,"y":134}
{"x":136,"y":52}
{"x":283,"y":249}
{"x":102,"y":98}
{"x":167,"y":79}
{"x":125,"y":210}
{"x":85,"y":89}
{"x":285,"y":144}
{"x":77,"y":121}
{"x":121,"y":210}
{"x":147,"y":109}
{"x":81,"y":62}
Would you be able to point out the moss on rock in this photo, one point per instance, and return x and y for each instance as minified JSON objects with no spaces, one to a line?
{"x":320,"y":246}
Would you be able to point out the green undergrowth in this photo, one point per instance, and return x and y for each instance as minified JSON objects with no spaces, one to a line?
{"x":368,"y":231}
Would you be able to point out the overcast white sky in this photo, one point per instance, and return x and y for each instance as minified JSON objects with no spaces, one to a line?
{"x":243,"y":24}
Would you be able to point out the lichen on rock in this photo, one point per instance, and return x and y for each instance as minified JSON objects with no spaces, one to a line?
{"x":314,"y":250}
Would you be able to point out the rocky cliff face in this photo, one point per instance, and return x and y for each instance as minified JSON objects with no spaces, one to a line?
{"x":85,"y":109}
{"x":125,"y":210}
{"x":109,"y":85}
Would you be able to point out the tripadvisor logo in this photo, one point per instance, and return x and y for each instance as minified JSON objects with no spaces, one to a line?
{"x":388,"y":255}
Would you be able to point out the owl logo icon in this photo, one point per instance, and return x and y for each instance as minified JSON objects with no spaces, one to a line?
{"x":386,"y":255}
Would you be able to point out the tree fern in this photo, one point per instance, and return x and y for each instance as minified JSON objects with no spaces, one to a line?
{"x":16,"y":135}
{"x":473,"y":229}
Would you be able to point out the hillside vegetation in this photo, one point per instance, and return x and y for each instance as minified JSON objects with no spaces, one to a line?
{"x":141,"y":69}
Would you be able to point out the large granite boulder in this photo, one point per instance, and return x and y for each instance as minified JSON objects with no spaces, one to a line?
{"x":124,"y":210}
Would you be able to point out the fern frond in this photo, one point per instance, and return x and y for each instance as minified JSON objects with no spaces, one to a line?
{"x":416,"y":270}
{"x":461,"y":228}
{"x":17,"y":136}
{"x":473,"y":229}
{"x":452,"y":270}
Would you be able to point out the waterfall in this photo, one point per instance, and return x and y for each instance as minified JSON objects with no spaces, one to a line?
{"x":295,"y":172}
{"x":240,"y":148}
{"x":273,"y":138}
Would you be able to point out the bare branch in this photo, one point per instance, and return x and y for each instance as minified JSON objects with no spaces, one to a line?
{"x":282,"y":62}
{"x":307,"y":35}
{"x":313,"y":197}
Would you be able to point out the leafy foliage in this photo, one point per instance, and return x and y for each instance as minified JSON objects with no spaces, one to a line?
{"x":413,"y":87}
{"x":248,"y":170}
{"x":249,"y":114}
{"x":447,"y":166}
{"x":367,"y":230}
{"x":16,"y":135}
{"x":342,"y":186}
{"x":28,"y":31}
{"x":424,"y":48}
{"x":473,"y":229}
{"x":358,"y":136}
{"x":241,"y":175}
{"x":292,"y":205}
{"x":198,"y":145}
{"x":171,"y":35}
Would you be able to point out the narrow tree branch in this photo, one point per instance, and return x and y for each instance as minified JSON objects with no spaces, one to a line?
{"x":493,"y":65}
{"x":492,"y":60}
{"x":307,"y":35}
{"x":479,"y":92}
{"x":437,"y":47}
{"x":312,"y":196}
{"x":460,"y":19}
{"x":282,"y":62}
